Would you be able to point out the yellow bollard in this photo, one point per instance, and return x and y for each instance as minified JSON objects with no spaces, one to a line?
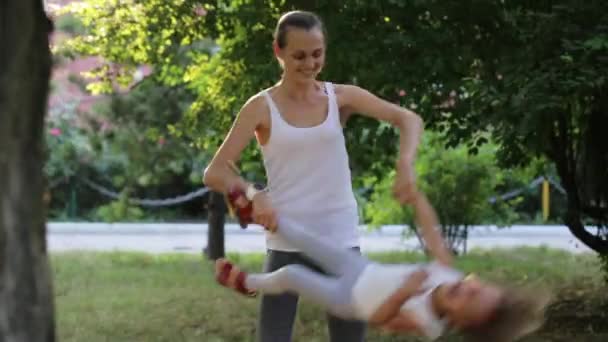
{"x":545,"y":200}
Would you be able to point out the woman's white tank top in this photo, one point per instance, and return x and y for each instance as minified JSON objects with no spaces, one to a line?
{"x":309,"y":177}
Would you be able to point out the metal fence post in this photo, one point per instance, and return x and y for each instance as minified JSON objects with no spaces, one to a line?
{"x":215,"y":233}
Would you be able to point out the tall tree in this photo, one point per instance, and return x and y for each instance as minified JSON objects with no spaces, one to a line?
{"x":26,"y":296}
{"x":530,"y":73}
{"x":541,"y":88}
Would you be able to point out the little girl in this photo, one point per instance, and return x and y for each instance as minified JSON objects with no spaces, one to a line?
{"x":437,"y":296}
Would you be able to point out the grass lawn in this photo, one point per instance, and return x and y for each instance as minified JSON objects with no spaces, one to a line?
{"x":173,"y":297}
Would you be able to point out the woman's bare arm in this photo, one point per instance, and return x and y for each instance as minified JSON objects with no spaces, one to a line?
{"x":218,"y":175}
{"x":410,"y":126}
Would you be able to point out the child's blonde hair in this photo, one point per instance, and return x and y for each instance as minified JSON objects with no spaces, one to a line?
{"x":520,"y":312}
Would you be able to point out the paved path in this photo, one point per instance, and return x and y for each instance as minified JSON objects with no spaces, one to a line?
{"x":192,"y":238}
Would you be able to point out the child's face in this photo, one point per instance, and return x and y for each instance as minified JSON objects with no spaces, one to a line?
{"x":470,"y":302}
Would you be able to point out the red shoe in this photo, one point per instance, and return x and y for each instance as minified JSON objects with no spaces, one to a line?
{"x":225,"y":272}
{"x":243,"y":214}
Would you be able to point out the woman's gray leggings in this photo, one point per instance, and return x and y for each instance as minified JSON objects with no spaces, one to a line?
{"x":330,"y":289}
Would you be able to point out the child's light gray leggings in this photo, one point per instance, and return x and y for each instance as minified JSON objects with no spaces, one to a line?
{"x":332,"y":291}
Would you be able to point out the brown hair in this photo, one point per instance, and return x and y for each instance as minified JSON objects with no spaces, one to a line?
{"x":299,"y":19}
{"x":520,"y":312}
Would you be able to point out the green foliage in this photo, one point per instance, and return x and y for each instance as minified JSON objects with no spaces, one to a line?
{"x":129,"y":33}
{"x":544,"y":92}
{"x":125,"y":146}
{"x":528,"y":203}
{"x":132,"y":133}
{"x":70,"y":24}
{"x":133,"y":136}
{"x":67,"y":146}
{"x":119,"y":210}
{"x":458,"y":184}
{"x":462,"y":71}
{"x":532,"y":74}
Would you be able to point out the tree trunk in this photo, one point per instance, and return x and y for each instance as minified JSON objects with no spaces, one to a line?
{"x":217,"y":219}
{"x":26,"y":295}
{"x":562,"y":154}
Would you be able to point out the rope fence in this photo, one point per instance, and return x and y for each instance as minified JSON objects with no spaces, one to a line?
{"x":202,"y":191}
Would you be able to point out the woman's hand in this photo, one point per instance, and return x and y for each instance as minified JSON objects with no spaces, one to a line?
{"x":263,"y":212}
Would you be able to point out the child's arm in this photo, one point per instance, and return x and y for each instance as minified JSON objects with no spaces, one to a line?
{"x":427,"y":221}
{"x":404,"y":322}
{"x":391,"y":307}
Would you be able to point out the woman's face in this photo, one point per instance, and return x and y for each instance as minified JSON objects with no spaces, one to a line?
{"x":303,"y":56}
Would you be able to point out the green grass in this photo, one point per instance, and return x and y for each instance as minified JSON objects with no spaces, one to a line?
{"x":173,"y":297}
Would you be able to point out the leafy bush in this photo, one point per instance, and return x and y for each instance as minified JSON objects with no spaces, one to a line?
{"x":125,"y":144}
{"x":70,"y":24}
{"x":457,"y":183}
{"x":119,"y":210}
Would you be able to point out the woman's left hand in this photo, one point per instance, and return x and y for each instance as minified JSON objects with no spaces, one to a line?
{"x":404,"y":188}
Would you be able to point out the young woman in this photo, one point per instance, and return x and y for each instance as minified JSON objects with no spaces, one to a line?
{"x":435,"y":296}
{"x":298,"y":126}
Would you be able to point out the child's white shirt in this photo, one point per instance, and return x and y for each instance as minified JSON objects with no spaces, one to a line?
{"x":379,"y":281}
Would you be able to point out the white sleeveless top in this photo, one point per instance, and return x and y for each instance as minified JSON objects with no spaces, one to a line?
{"x":309,"y":177}
{"x":379,"y":281}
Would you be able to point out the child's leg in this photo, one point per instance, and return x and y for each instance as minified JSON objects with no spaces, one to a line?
{"x":333,"y":294}
{"x":334,"y":259}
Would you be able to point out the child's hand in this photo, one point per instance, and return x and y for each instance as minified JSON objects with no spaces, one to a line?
{"x":240,"y":206}
{"x":263,"y":212}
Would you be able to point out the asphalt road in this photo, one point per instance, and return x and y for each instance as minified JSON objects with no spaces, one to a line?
{"x":192,"y":238}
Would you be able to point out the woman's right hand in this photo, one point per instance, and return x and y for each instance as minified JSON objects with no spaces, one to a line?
{"x":263,"y":212}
